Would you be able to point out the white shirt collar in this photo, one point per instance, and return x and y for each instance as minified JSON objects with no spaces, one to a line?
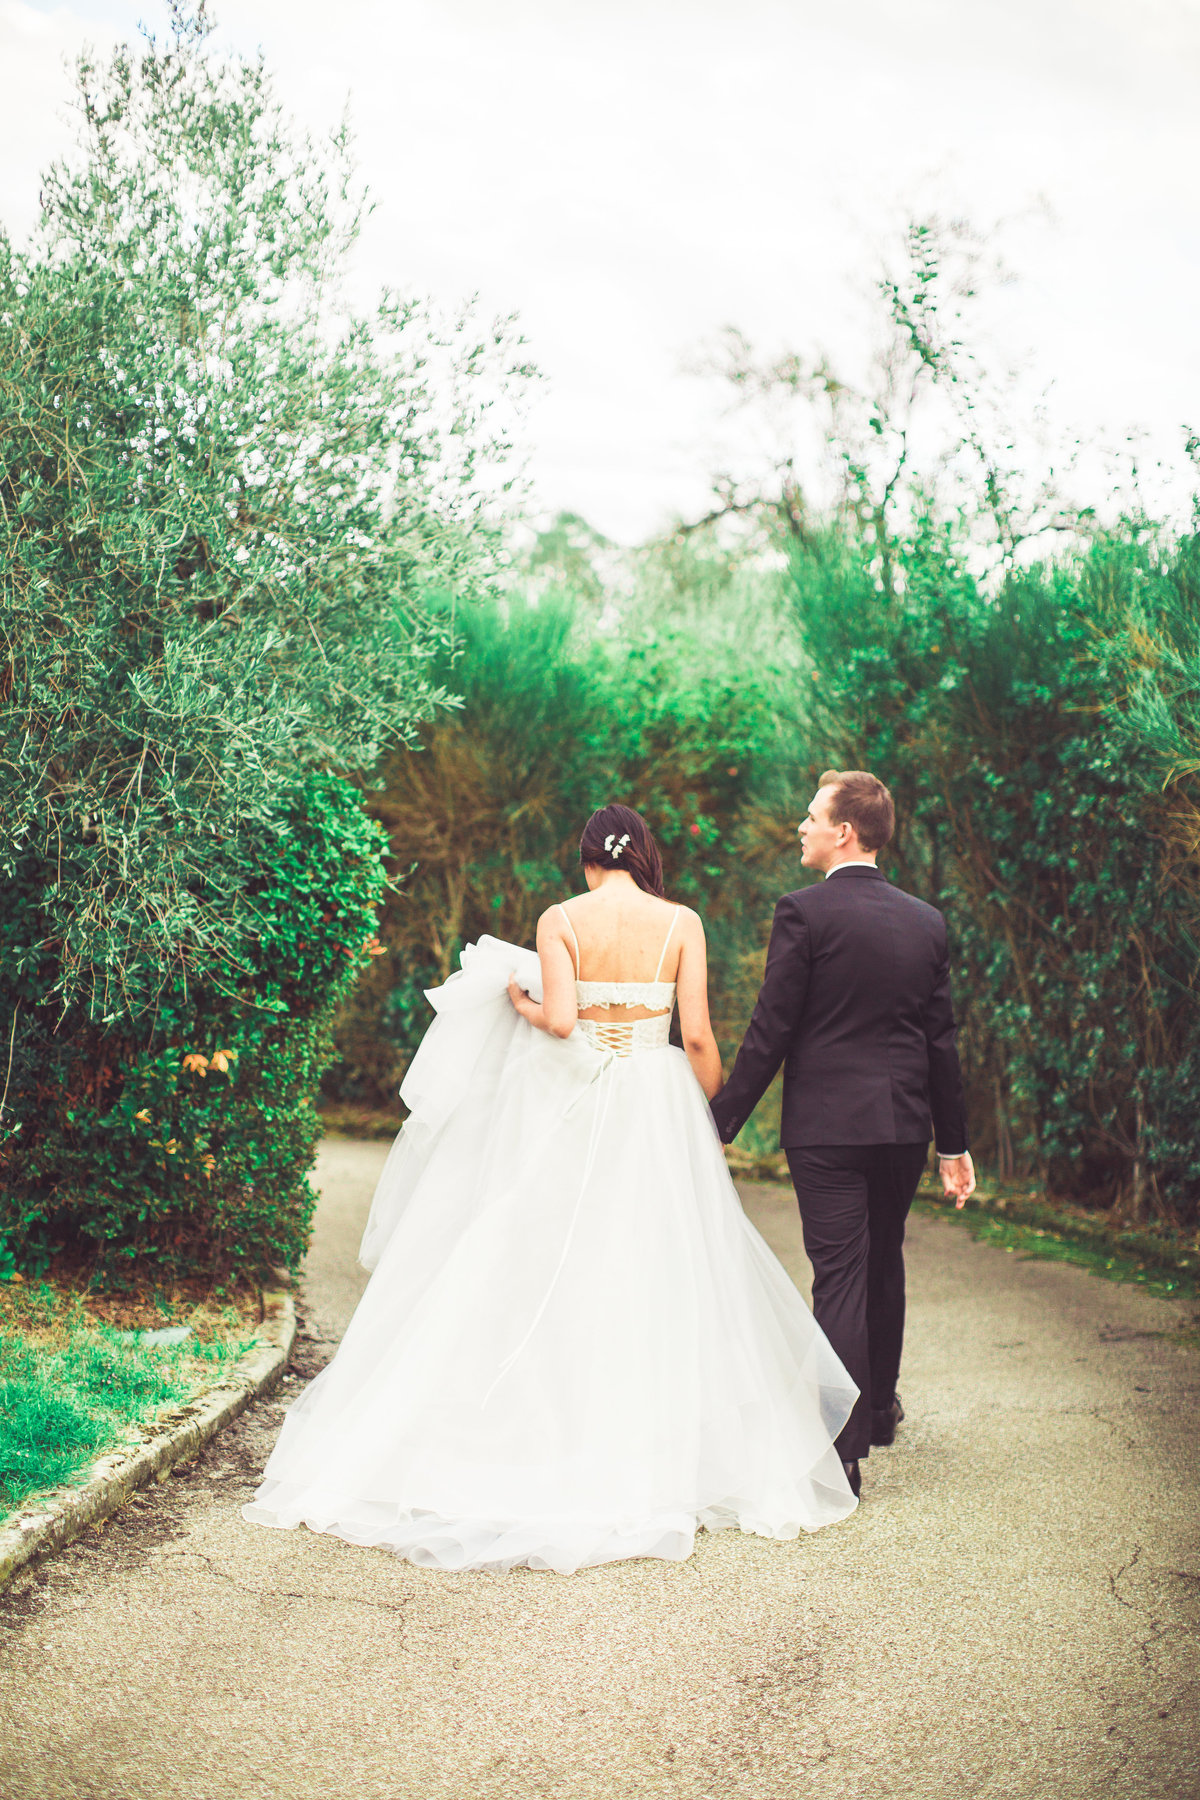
{"x":851,"y":862}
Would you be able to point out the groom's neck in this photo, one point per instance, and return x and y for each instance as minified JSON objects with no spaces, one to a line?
{"x":867,"y":857}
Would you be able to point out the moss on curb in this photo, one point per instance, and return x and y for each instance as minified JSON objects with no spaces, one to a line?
{"x":1162,"y":1262}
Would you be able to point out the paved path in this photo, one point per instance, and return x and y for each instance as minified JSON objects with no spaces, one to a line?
{"x":1012,"y":1612}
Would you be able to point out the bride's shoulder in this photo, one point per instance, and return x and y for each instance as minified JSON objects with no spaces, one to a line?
{"x":567,"y":904}
{"x":556,"y":919}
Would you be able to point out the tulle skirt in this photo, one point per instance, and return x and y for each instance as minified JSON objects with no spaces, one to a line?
{"x":575,"y":1347}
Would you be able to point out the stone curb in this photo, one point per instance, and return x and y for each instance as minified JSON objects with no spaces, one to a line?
{"x":52,"y":1521}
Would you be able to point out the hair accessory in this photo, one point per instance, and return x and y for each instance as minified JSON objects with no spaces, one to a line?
{"x":614,"y":846}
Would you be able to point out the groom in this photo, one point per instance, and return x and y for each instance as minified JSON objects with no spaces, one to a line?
{"x":855,"y":1003}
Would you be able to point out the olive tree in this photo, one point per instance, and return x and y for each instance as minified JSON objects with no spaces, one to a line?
{"x":235,"y":517}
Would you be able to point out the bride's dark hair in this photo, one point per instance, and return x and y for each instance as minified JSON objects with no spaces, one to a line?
{"x":602,"y":846}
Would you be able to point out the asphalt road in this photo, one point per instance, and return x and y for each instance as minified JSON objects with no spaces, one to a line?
{"x":1013,"y":1610}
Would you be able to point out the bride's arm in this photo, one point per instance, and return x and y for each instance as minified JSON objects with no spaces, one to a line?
{"x":558,"y":1010}
{"x":691,"y":994}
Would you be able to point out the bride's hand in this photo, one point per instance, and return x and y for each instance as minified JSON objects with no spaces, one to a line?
{"x":528,"y":1007}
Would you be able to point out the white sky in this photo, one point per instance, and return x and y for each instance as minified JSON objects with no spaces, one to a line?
{"x":630,"y":177}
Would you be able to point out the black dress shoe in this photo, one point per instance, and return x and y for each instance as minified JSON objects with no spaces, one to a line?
{"x":885,"y":1421}
{"x":853,"y":1476}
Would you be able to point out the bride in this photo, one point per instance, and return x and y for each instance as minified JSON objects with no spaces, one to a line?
{"x":574,"y":1347}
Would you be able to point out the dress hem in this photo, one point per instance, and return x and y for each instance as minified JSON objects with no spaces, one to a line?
{"x":560,"y":1545}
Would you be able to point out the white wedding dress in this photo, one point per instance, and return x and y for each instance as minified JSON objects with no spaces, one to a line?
{"x":574,"y":1347}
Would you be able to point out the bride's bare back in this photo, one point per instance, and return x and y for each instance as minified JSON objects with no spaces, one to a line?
{"x":623,"y":934}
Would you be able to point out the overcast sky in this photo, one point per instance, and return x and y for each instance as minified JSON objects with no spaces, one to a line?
{"x":631,"y":177}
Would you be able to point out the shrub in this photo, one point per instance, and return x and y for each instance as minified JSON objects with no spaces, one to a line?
{"x":185,"y":1141}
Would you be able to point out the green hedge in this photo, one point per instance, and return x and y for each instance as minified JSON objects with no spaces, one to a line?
{"x":1046,"y":802}
{"x":185,"y":1142}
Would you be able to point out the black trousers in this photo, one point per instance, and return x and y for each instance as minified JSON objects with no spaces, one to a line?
{"x":854,"y":1200}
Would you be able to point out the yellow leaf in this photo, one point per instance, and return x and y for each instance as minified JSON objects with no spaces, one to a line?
{"x":196,"y":1062}
{"x":144,"y":1115}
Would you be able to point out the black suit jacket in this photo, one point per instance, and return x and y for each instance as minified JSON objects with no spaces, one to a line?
{"x":855,"y":1003}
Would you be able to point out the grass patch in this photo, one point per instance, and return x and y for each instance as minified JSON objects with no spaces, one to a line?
{"x":1162,"y":1261}
{"x":72,"y":1387}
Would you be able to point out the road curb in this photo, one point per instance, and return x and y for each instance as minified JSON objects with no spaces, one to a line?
{"x":53,"y":1520}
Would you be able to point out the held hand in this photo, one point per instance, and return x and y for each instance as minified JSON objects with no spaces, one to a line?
{"x":958,"y":1178}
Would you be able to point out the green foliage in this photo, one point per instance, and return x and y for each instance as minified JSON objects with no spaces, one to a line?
{"x":224,"y":502}
{"x":1037,"y":717}
{"x":1028,"y":754}
{"x":224,"y":499}
{"x":187,"y":1144}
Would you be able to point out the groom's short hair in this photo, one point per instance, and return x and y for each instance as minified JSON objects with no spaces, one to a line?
{"x":861,"y":800}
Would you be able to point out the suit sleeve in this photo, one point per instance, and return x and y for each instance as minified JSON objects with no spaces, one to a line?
{"x":946,"y":1102}
{"x":773,"y":1023}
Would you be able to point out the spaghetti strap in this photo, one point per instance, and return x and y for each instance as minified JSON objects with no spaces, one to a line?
{"x":566,"y":915}
{"x":666,"y":941}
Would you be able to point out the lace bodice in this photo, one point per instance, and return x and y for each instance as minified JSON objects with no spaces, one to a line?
{"x":657,"y":996}
{"x":626,"y":1036}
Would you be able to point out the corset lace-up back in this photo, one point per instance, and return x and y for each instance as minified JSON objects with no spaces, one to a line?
{"x":625,"y":1037}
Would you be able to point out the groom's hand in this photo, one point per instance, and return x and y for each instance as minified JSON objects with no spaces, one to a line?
{"x":958,"y":1178}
